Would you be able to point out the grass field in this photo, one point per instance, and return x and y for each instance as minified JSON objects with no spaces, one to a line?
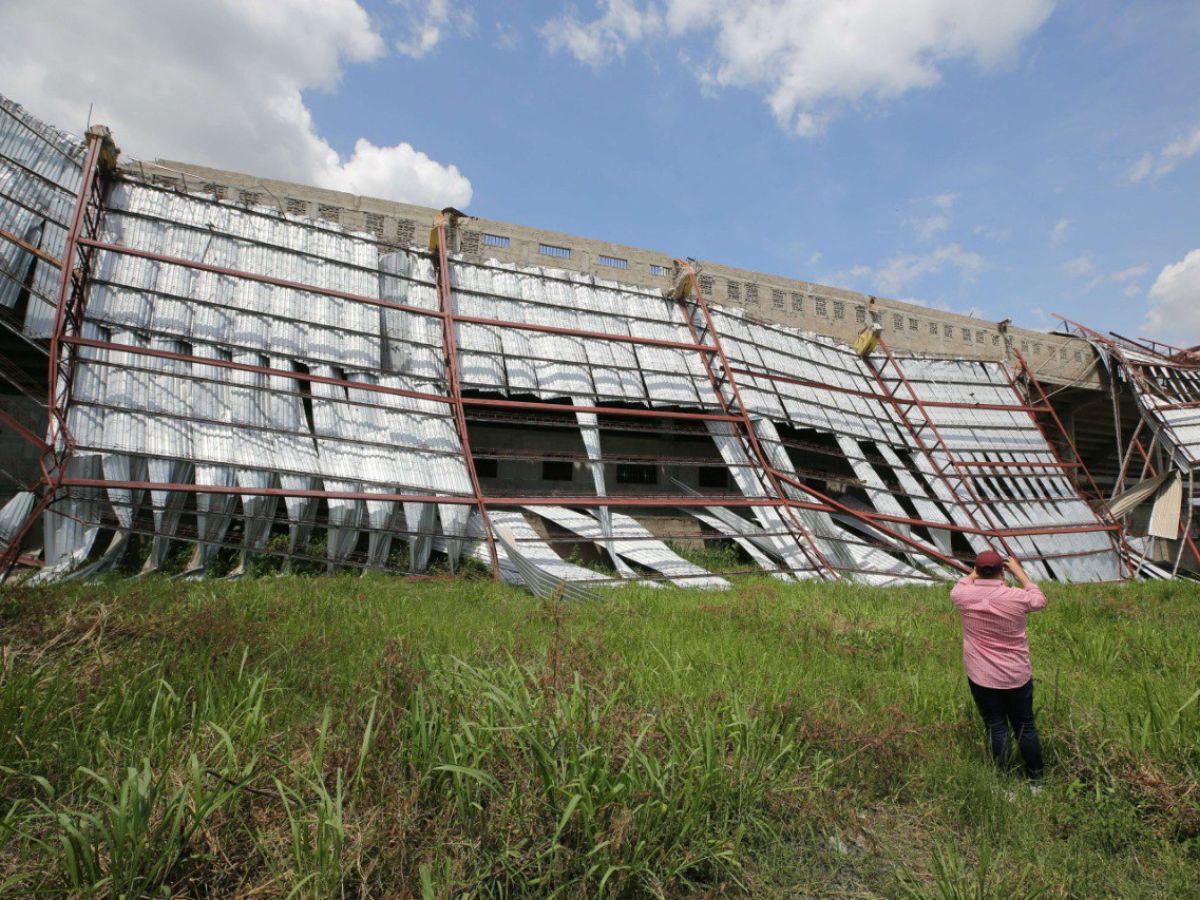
{"x":370,"y":736}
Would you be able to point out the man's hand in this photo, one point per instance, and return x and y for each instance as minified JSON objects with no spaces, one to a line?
{"x":1018,"y":573}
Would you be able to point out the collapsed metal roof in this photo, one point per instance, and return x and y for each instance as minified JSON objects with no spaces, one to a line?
{"x":209,"y":360}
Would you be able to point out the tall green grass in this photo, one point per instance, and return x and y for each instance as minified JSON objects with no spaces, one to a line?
{"x":318,"y":737}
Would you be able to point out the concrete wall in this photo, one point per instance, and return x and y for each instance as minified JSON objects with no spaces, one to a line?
{"x":806,"y":305}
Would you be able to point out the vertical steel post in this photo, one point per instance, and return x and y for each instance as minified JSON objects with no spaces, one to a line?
{"x":754,"y":452}
{"x":454,"y":384}
{"x":940,"y":472}
{"x":70,"y":289}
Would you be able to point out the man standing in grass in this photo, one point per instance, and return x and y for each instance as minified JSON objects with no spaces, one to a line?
{"x":996,"y":654}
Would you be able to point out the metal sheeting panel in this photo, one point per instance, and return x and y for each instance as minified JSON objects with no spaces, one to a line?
{"x":996,"y":464}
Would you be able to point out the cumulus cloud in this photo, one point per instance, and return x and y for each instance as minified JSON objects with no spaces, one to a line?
{"x":620,"y":23}
{"x":810,"y":58}
{"x":1058,"y":233}
{"x":1174,"y":313}
{"x":218,"y":83}
{"x":904,"y":269}
{"x":938,"y":220}
{"x":428,"y":22}
{"x":1079,"y":266}
{"x":1153,"y":166}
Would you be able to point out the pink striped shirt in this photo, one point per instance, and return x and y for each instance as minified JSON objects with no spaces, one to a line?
{"x":995,"y":648}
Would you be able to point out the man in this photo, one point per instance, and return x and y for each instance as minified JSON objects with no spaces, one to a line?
{"x":996,"y":655}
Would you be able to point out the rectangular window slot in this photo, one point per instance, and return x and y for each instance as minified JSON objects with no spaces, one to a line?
{"x":614,"y":262}
{"x":557,"y":252}
{"x":558,"y":470}
{"x":636,"y":473}
{"x":657,"y":269}
{"x":495,"y":240}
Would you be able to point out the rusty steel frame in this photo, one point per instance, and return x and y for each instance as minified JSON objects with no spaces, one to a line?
{"x":72,"y":289}
{"x":939,"y":471}
{"x":753,"y":452}
{"x":829,"y":503}
{"x":1115,"y":532}
{"x":454,"y":385}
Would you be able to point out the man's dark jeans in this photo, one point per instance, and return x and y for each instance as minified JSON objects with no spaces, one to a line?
{"x":1002,"y":708}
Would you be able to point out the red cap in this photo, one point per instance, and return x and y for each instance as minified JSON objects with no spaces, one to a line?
{"x":988,"y":559}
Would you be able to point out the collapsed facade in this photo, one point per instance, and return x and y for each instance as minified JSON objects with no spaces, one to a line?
{"x":243,"y":378}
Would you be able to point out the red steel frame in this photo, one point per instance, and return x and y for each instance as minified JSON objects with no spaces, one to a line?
{"x":827,"y":503}
{"x":72,"y":299}
{"x":753,"y":453}
{"x":454,"y":384}
{"x":72,"y":296}
{"x":940,"y":471}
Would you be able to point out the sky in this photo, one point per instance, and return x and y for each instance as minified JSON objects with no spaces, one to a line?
{"x":1005,"y":158}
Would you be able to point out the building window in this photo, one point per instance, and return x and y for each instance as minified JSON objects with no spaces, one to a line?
{"x":551,"y":250}
{"x":558,"y":470}
{"x":820,"y":306}
{"x":1078,"y":356}
{"x":913,"y":325}
{"x":752,"y":294}
{"x":297,"y":207}
{"x":1037,"y":348}
{"x":656,"y":269}
{"x":735,"y":290}
{"x":839,"y":309}
{"x":897,"y":322}
{"x":778,"y":299}
{"x":486,"y":468}
{"x":635,"y":473}
{"x":995,"y":340}
{"x":1025,"y":346}
{"x":713,"y":477}
{"x":797,"y":302}
{"x":933,"y":329}
{"x":614,"y":262}
{"x":860,"y":315}
{"x":495,"y":240}
{"x":706,"y":285}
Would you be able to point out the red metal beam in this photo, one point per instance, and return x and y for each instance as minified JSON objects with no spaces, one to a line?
{"x":964,"y":480}
{"x":386,"y":304}
{"x":454,"y":385}
{"x":57,"y":425}
{"x":886,"y":398}
{"x":780,"y":478}
{"x":24,"y":432}
{"x":1150,"y":466}
{"x":29,"y":248}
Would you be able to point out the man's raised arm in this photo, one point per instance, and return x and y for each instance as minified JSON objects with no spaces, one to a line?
{"x":1036,"y":598}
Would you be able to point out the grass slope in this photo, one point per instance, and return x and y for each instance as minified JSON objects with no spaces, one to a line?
{"x":376,"y":737}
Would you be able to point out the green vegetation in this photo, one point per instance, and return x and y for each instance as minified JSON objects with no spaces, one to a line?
{"x":346,"y":736}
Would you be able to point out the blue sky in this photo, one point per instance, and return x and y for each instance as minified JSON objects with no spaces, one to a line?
{"x":1009,"y":158}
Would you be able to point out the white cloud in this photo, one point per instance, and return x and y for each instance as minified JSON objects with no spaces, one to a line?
{"x":810,"y":58}
{"x":621,"y":23}
{"x":1080,"y":265}
{"x":428,"y":21}
{"x":1174,"y":313}
{"x":218,"y":83}
{"x":1058,"y":233}
{"x":902,"y":270}
{"x":1153,"y":166}
{"x":930,"y":226}
{"x":935,"y":222}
